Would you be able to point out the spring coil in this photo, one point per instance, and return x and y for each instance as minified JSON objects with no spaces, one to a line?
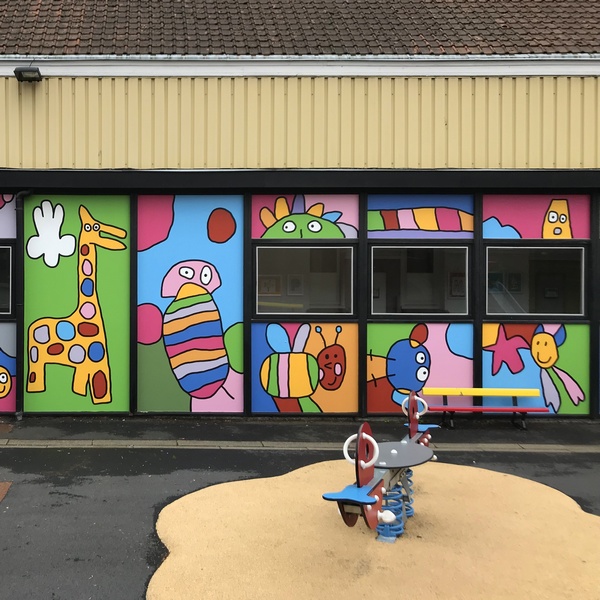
{"x":409,"y":494}
{"x":394,"y":502}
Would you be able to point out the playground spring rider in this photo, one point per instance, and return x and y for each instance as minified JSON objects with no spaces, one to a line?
{"x":383,"y":492}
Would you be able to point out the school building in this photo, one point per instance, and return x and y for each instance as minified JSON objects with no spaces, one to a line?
{"x":253,"y":208}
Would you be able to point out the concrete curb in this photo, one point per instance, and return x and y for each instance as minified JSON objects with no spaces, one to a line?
{"x":284,"y":446}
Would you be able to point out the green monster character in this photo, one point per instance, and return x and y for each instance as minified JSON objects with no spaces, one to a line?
{"x":300,"y":223}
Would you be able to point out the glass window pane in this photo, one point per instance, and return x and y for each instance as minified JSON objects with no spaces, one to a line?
{"x":5,"y":279}
{"x":419,"y":280}
{"x":304,"y":280}
{"x":546,"y":281}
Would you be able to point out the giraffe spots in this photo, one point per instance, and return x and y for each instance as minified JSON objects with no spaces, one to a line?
{"x":87,"y":287}
{"x":85,"y":250}
{"x":96,"y":351}
{"x":88,"y":329}
{"x":55,"y":349}
{"x":87,"y":268}
{"x":99,"y":384}
{"x":33,"y":354}
{"x":41,"y":334}
{"x":65,"y":330}
{"x":77,"y":354}
{"x":31,"y":377}
{"x":87,"y":310}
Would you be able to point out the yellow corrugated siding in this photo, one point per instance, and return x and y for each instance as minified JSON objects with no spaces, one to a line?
{"x":211,"y":123}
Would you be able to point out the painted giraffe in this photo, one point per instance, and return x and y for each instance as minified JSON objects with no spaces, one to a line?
{"x":78,"y":340}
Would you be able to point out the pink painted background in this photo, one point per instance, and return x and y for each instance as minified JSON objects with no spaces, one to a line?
{"x":526,"y":212}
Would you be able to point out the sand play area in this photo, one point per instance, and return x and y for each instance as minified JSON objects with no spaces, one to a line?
{"x":476,"y":534}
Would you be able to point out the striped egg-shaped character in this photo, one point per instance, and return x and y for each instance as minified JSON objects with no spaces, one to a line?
{"x":193,"y":338}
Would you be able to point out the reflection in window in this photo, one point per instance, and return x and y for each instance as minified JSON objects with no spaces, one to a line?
{"x":545,"y":281}
{"x":304,"y":280}
{"x":5,"y":279}
{"x":419,"y":280}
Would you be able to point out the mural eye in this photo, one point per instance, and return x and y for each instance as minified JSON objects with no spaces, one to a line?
{"x":552,"y":216}
{"x":563,"y":218}
{"x":3,"y":378}
{"x":187,"y":272}
{"x":422,"y":374}
{"x":315,"y":226}
{"x":87,"y":227}
{"x":206,"y":275}
{"x":289,"y":226}
{"x":96,"y":227}
{"x":420,"y":357}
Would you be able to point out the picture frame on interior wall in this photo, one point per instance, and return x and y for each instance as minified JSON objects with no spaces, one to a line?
{"x":295,"y":285}
{"x":457,"y":285}
{"x":513,"y":282}
{"x":269,"y":285}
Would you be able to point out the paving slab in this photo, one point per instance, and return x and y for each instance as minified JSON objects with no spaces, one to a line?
{"x":282,"y":429}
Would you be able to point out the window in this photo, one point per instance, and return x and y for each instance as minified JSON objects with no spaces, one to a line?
{"x":419,"y":280}
{"x":304,"y":280}
{"x":6,"y":280}
{"x":541,"y":281}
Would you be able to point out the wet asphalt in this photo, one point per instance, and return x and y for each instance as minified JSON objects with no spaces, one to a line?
{"x":78,"y":520}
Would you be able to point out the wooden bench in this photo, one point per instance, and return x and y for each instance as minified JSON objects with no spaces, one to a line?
{"x":496,"y":392}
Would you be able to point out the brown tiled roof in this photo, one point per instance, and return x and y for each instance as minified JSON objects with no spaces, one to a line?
{"x":299,"y":27}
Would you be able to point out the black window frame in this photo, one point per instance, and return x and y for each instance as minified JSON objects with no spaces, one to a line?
{"x":11,"y":314}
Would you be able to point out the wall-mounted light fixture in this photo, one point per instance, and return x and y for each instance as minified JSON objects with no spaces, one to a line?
{"x":30,"y":74}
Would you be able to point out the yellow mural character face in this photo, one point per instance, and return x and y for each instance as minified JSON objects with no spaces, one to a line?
{"x":544,"y":350}
{"x":5,"y":382}
{"x":557,"y":222}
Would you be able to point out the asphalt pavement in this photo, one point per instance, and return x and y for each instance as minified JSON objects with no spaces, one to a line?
{"x":78,"y":520}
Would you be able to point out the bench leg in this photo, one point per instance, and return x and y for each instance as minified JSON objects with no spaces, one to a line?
{"x":445,"y":403}
{"x":523,"y":425}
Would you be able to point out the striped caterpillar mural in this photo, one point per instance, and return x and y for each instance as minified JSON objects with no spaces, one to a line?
{"x":192,"y":329}
{"x":420,"y":219}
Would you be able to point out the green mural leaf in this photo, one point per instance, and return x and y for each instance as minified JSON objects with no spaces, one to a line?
{"x":234,"y":343}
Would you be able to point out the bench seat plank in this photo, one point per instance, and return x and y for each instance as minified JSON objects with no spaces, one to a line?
{"x":443,"y":391}
{"x":497,"y":409}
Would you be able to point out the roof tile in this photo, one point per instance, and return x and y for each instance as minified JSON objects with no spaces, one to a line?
{"x":301,"y":27}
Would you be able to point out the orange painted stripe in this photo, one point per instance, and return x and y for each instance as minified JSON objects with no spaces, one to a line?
{"x":180,"y":324}
{"x":197,"y":356}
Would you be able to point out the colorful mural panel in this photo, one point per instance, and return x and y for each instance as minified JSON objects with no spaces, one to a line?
{"x":549,"y":357}
{"x":419,"y":216}
{"x":190,"y":304}
{"x":8,"y":216}
{"x":310,"y":216}
{"x":405,"y":357}
{"x":304,"y":367}
{"x":76,"y":304}
{"x":8,"y":367}
{"x":547,"y":217}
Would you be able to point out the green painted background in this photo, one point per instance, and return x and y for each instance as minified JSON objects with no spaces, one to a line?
{"x":53,"y":292}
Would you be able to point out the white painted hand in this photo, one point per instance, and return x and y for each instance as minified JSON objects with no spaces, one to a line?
{"x":49,"y":244}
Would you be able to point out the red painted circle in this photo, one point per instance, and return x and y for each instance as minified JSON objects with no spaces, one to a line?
{"x":221,"y":226}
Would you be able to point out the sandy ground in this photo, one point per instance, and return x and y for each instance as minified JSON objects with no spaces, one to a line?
{"x":476,"y":534}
